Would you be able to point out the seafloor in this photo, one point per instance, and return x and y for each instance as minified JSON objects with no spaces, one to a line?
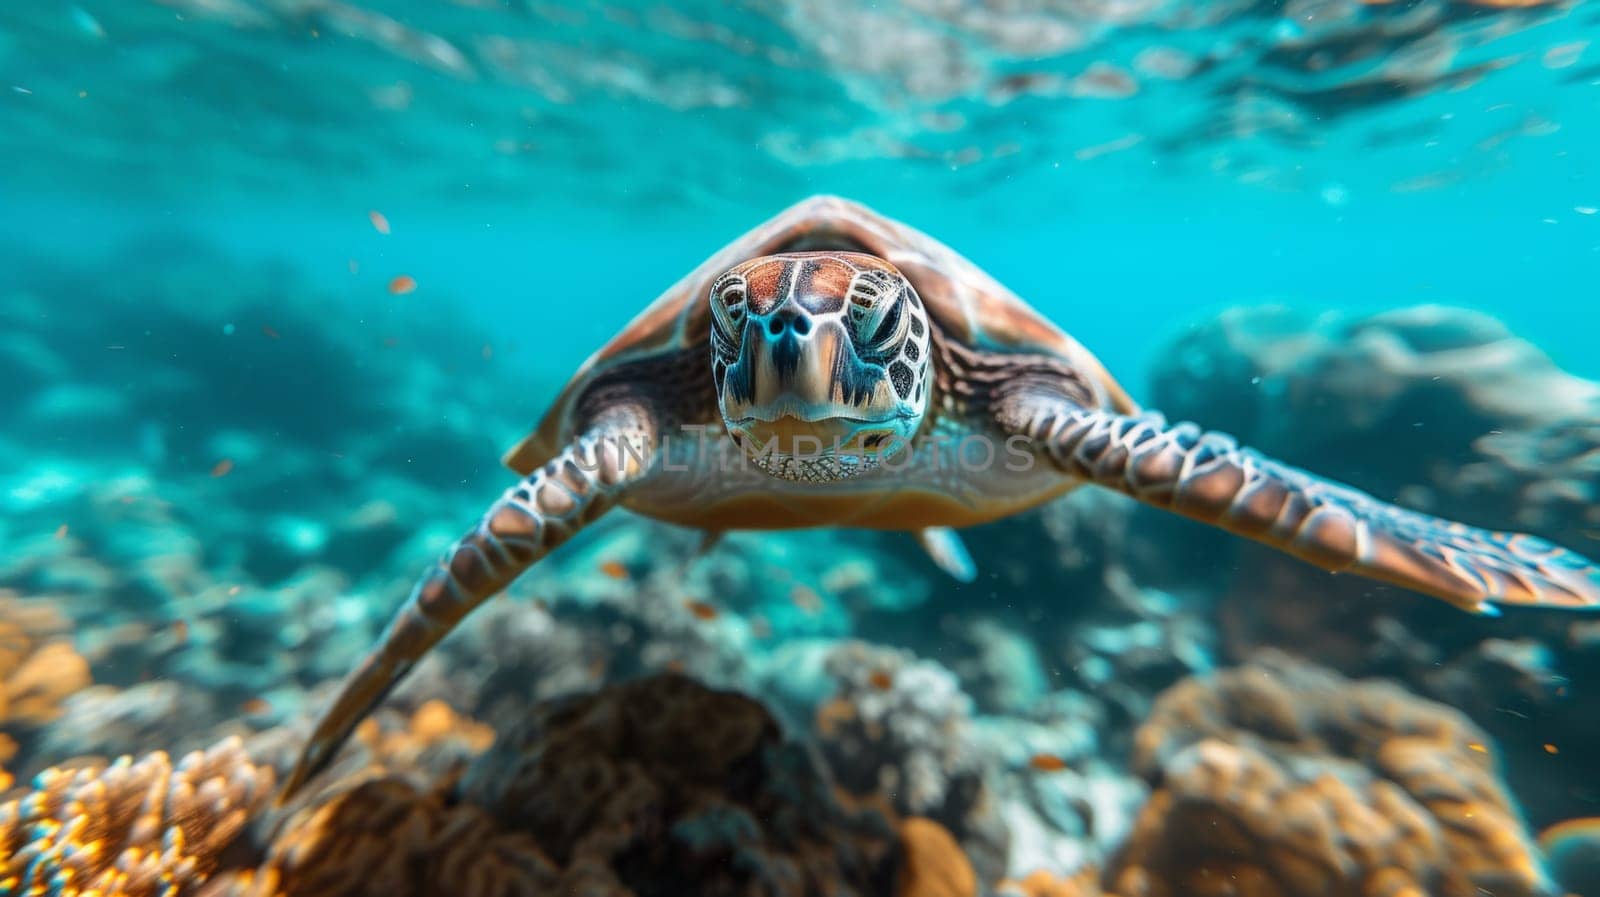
{"x":202,"y":531}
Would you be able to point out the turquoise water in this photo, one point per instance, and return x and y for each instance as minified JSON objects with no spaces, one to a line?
{"x":544,"y":141}
{"x":229,"y":441}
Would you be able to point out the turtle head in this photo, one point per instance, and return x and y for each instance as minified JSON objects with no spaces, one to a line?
{"x":820,"y":361}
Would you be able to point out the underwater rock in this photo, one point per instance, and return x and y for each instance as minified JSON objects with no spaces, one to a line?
{"x":1283,"y":778}
{"x":135,"y":828}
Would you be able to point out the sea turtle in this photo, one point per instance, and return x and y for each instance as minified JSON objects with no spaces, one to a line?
{"x":833,"y":367}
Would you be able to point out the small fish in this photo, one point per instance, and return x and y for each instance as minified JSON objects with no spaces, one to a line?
{"x":882,"y":680}
{"x":402,"y":285}
{"x":1047,"y":763}
{"x":255,"y":707}
{"x":1551,"y":749}
{"x":180,"y":632}
{"x":61,"y":531}
{"x":354,"y":266}
{"x":379,"y":222}
{"x":614,"y":569}
{"x":269,"y":333}
{"x":222,"y":468}
{"x":701,"y":610}
{"x":488,"y":351}
{"x":1474,"y":746}
{"x":806,"y":600}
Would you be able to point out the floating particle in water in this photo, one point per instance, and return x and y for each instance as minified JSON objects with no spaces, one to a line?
{"x":1047,"y":763}
{"x":222,"y":468}
{"x":1335,"y":195}
{"x":180,"y":632}
{"x":614,"y":569}
{"x":402,"y":285}
{"x":1551,"y":749}
{"x":379,"y":222}
{"x":269,"y":333}
{"x":227,"y":329}
{"x":805,"y":599}
{"x":487,"y":352}
{"x":1564,"y":55}
{"x":701,"y":610}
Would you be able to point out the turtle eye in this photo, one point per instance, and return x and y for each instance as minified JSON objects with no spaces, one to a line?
{"x":727,"y":314}
{"x":876,"y":313}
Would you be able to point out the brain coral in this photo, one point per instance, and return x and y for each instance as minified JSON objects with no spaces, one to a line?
{"x":130,"y":829}
{"x":38,"y":670}
{"x":1279,"y":778}
{"x":38,"y":667}
{"x":658,"y":786}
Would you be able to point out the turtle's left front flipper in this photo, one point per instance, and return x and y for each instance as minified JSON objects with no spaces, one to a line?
{"x":527,"y":523}
{"x":1209,"y":477}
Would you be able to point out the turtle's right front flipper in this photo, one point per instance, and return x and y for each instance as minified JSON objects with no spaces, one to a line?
{"x":527,"y":523}
{"x":1211,"y":478}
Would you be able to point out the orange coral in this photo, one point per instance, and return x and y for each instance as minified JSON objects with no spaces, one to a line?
{"x":1280,"y":779}
{"x":1086,"y":883}
{"x":130,"y":829}
{"x":933,"y":864}
{"x":38,"y":666}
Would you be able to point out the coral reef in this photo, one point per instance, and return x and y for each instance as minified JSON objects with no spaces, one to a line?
{"x":897,"y":729}
{"x":135,"y":828}
{"x":1282,"y":778}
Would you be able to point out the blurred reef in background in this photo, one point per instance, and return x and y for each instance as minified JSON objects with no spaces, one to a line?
{"x":210,"y":508}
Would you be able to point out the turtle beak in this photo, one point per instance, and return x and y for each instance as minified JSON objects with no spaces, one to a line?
{"x":793,"y":368}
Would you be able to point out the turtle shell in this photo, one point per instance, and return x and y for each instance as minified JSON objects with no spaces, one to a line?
{"x":968,"y":305}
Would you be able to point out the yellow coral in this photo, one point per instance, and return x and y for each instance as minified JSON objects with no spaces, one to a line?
{"x":130,"y":829}
{"x":1283,"y":780}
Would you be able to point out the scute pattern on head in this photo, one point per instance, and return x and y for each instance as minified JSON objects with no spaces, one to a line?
{"x":968,"y":305}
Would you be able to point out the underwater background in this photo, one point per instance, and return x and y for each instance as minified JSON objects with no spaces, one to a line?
{"x":281,"y":279}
